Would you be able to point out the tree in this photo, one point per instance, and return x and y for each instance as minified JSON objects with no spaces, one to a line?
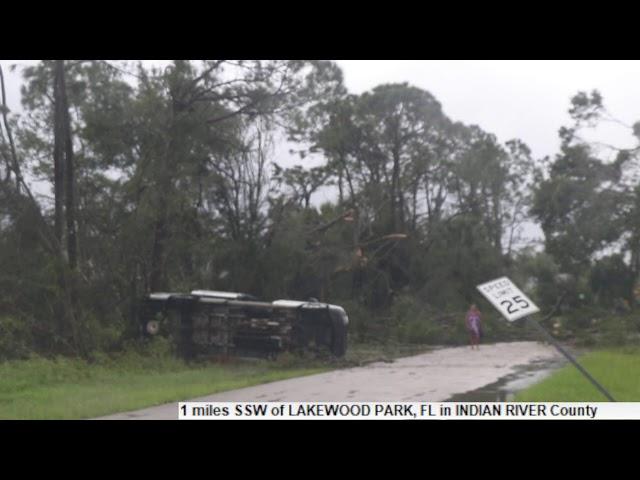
{"x":612,"y":279}
{"x":164,"y":178}
{"x":302,"y":183}
{"x":403,"y":166}
{"x":584,"y":204}
{"x":143,"y":165}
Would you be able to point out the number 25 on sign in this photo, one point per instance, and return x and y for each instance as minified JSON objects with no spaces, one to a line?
{"x":507,"y":298}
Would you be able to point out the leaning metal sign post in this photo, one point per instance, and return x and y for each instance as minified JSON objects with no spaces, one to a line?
{"x":513,"y":304}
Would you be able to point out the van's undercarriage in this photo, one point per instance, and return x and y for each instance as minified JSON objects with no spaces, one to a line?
{"x":204,"y":325}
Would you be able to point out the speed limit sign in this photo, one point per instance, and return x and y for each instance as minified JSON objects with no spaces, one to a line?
{"x":508,"y":299}
{"x":513,"y":304}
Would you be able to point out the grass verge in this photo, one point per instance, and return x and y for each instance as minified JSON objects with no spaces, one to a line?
{"x":64,"y":388}
{"x":617,"y":370}
{"x":72,"y":389}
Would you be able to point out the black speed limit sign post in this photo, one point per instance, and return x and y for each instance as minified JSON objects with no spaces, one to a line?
{"x":513,"y":304}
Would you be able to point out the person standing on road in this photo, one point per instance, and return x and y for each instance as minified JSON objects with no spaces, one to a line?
{"x":473,"y":325}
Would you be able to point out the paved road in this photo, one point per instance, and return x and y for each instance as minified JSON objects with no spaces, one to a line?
{"x":433,"y":377}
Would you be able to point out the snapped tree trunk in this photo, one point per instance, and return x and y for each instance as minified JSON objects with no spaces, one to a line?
{"x":157,"y":280}
{"x":64,"y":169}
{"x":69,"y":170}
{"x":58,"y":151}
{"x":64,"y":184}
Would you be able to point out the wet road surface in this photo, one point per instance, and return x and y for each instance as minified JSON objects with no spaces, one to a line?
{"x":440,"y":375}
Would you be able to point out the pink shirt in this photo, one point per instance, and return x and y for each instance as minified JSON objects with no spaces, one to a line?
{"x":473,"y":320}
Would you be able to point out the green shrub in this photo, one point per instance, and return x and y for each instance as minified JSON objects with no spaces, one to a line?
{"x":415,"y":322}
{"x":615,"y":332}
{"x":16,"y":338}
{"x":360,"y":320}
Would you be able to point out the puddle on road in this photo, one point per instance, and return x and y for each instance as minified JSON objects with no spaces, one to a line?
{"x":505,"y":389}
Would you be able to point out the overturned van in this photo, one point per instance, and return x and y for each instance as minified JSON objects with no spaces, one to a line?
{"x":206,"y":322}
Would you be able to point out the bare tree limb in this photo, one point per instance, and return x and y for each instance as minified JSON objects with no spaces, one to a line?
{"x":7,"y":127}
